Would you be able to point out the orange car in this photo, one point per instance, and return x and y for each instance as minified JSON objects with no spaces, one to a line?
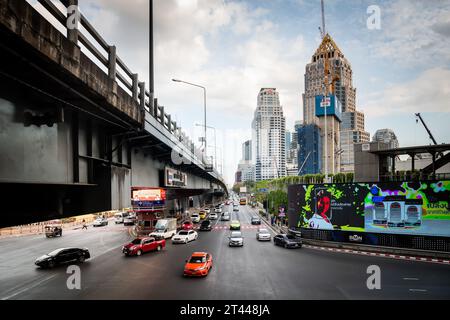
{"x":198,"y":264}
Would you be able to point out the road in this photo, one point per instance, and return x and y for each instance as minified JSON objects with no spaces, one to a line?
{"x":258,"y":270}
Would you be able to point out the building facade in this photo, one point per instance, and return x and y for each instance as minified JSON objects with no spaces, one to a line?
{"x":310,"y":149}
{"x":268,"y":136}
{"x":387,"y":136}
{"x":352,"y":131}
{"x":247,"y":150}
{"x":339,"y":147}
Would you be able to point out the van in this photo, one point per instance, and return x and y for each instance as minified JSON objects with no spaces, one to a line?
{"x":120,"y":217}
{"x":165,"y":228}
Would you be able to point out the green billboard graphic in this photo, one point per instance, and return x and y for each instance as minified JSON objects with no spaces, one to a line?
{"x":385,"y":207}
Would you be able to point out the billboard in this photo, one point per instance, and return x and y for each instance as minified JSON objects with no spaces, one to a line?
{"x":414,"y":208}
{"x":147,"y":198}
{"x":175,"y":178}
{"x":243,"y":189}
{"x":330,"y":104}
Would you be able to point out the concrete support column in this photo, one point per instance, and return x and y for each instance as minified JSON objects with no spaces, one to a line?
{"x":72,"y":33}
{"x":112,"y":61}
{"x":142,"y":95}
{"x":135,"y":85}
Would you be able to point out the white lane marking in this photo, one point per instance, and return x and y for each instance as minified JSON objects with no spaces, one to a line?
{"x":28,"y":287}
{"x":412,"y":279}
{"x":418,"y":290}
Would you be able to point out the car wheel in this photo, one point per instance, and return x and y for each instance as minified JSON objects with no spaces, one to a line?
{"x":81,"y":259}
{"x":51,"y":264}
{"x":139,"y":252}
{"x":159,"y":248}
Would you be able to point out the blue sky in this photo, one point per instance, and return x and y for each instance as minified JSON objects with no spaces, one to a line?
{"x":236,"y":47}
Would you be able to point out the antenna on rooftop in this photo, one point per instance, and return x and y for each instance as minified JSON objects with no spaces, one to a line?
{"x":322,"y":29}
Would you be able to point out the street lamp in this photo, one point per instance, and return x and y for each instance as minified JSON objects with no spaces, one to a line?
{"x":215,"y":141}
{"x":204,"y":102}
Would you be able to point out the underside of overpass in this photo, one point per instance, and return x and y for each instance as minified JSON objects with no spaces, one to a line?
{"x":71,"y":140}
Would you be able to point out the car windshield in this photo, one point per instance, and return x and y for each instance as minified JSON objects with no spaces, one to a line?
{"x":255,"y":218}
{"x":197,"y":260}
{"x":234,"y":222}
{"x":290,"y":237}
{"x":263,"y":231}
{"x":55,"y":252}
{"x":136,"y":241}
{"x":236,"y":235}
{"x":183,"y":233}
{"x":195,"y":215}
{"x":187,"y":222}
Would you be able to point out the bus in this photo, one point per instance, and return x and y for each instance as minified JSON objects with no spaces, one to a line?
{"x":243,"y":201}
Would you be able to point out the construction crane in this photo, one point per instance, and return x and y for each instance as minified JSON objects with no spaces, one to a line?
{"x":426,"y":128}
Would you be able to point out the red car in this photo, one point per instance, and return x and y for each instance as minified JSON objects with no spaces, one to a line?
{"x":198,"y":264}
{"x":187,"y":225}
{"x":141,"y":245}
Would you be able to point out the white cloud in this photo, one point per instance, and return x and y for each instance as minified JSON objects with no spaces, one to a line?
{"x":430,"y":92}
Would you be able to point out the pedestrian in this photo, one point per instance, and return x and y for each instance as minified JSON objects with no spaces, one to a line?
{"x":84,"y":225}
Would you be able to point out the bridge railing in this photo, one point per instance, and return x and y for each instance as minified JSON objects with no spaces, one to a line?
{"x":118,"y":71}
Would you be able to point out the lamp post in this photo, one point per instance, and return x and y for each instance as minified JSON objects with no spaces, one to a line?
{"x":215,"y":141}
{"x":204,"y":104}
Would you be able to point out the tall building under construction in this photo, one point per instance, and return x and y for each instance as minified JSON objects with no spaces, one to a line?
{"x":345,"y":125}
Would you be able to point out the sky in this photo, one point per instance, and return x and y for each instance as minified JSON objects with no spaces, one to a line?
{"x":236,"y":47}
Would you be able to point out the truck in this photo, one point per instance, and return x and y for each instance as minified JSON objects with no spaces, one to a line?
{"x":165,"y":228}
{"x":142,"y":245}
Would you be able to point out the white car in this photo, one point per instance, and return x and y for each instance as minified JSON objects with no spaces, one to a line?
{"x":263,"y":234}
{"x":184,"y":236}
{"x":99,"y":222}
{"x":218,"y":210}
{"x":207,"y":210}
{"x":213,"y":216}
{"x":195,"y":218}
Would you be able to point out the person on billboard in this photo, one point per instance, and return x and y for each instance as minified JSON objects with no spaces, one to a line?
{"x":322,"y":215}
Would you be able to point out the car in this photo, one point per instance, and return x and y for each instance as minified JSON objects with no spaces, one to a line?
{"x":130,"y":219}
{"x":256,"y":220}
{"x":185,"y":236}
{"x":195,"y":218}
{"x":263,"y":234}
{"x":287,"y":241}
{"x":142,"y":245}
{"x":198,"y":264}
{"x":235,"y":208}
{"x":235,"y":225}
{"x":120,"y":217}
{"x":202,"y":214}
{"x":206,"y":225}
{"x":62,"y":255}
{"x":213,"y":216}
{"x":99,"y":222}
{"x":207,"y":210}
{"x":225,"y":217}
{"x":236,"y":239}
{"x":218,"y":210}
{"x":187,"y":225}
{"x":53,"y":231}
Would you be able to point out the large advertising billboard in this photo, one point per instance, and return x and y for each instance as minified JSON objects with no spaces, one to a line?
{"x":420,"y":208}
{"x":147,"y":198}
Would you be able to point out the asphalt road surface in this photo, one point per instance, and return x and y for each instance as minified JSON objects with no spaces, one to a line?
{"x":258,"y":270}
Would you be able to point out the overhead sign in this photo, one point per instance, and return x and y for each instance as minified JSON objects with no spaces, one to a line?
{"x":365,"y":147}
{"x":147,"y":198}
{"x":175,"y":178}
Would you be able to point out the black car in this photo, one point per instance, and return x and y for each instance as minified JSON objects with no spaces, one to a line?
{"x":206,"y":225}
{"x":287,"y":241}
{"x":62,"y":255}
{"x":256,"y":220}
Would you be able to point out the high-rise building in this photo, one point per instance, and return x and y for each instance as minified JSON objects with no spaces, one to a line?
{"x":288,"y":141}
{"x":310,"y":149}
{"x":339,"y":146}
{"x":247,"y":150}
{"x":352,"y":131}
{"x":268,"y":136}
{"x":387,"y":136}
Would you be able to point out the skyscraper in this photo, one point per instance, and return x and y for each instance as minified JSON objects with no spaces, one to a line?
{"x":340,"y":137}
{"x":386,"y":136}
{"x":247,"y":150}
{"x":268,"y":136}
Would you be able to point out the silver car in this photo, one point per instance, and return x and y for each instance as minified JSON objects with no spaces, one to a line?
{"x":236,"y":239}
{"x":263,"y":235}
